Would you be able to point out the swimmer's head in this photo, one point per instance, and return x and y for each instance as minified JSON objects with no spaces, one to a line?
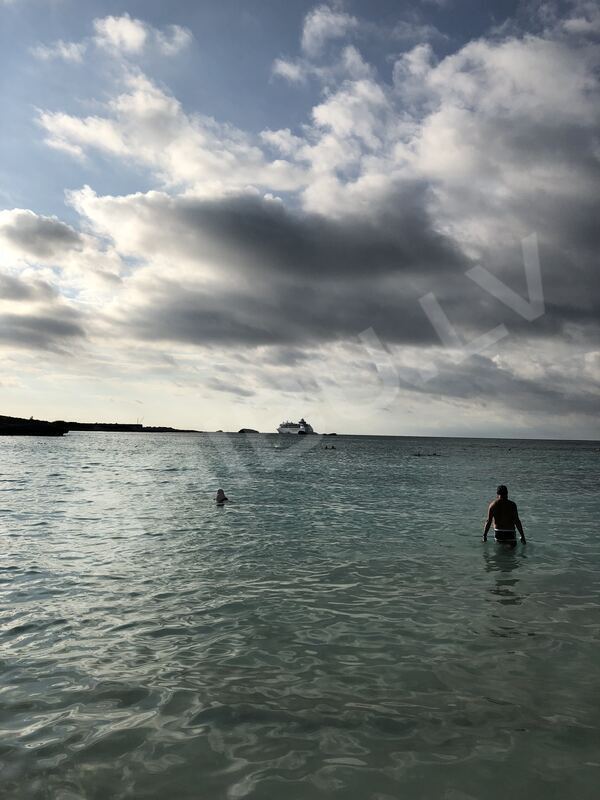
{"x":220,"y":494}
{"x":502,"y":491}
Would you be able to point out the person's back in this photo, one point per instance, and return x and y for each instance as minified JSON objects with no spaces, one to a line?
{"x":505,"y":516}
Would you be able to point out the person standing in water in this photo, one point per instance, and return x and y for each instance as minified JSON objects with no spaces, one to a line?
{"x":503,"y":513}
{"x":221,"y":498}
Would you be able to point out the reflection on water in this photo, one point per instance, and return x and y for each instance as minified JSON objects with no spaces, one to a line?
{"x":503,"y":561}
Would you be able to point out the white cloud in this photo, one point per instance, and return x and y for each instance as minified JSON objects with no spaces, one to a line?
{"x":129,"y":36}
{"x":122,"y":37}
{"x":585,"y":19}
{"x":354,"y":111}
{"x":323,"y":24}
{"x":283,"y":140}
{"x":353,"y":66}
{"x":174,"y":39}
{"x":75,"y":135}
{"x":350,"y":65}
{"x":146,"y":125}
{"x":121,"y":33}
{"x":66,"y":51}
{"x":290,"y":70}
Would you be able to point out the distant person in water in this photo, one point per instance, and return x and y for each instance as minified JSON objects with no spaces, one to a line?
{"x":503,"y":513}
{"x":221,"y":498}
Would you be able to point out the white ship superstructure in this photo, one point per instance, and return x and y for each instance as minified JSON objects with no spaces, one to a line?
{"x":301,"y":427}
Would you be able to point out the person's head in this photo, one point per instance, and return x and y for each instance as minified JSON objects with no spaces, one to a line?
{"x":502,"y":492}
{"x":220,"y":494}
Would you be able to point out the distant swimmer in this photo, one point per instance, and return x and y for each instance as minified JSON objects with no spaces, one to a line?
{"x":221,"y":498}
{"x":503,"y":512}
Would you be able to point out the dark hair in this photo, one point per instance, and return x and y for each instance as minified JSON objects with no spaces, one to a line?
{"x":502,"y":490}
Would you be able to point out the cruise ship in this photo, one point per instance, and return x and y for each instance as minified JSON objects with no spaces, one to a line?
{"x":295,"y":427}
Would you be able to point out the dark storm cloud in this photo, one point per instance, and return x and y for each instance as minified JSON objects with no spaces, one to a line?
{"x":41,"y":331}
{"x":300,"y":279}
{"x":41,"y":237}
{"x":278,"y":315}
{"x":248,"y":232}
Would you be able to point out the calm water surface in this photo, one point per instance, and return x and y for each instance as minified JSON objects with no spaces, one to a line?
{"x":338,"y":630}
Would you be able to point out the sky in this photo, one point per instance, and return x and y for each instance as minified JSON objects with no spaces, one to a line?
{"x":381,"y":216}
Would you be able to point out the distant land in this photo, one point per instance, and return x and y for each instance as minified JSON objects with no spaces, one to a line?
{"x":19,"y":426}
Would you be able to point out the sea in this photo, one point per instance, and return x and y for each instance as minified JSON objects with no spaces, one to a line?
{"x":337,"y":630}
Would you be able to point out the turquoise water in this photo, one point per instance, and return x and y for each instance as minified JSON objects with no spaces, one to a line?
{"x":338,"y":630}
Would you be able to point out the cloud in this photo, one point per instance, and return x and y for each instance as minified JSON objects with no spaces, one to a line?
{"x":585,"y":19}
{"x":326,"y":24}
{"x":14,"y":288}
{"x":65,"y":51}
{"x":376,"y":188}
{"x":41,"y":248}
{"x":350,"y":65}
{"x":482,"y":381}
{"x":175,"y":39}
{"x":34,"y":315}
{"x":245,"y":271}
{"x":74,"y":136}
{"x":323,"y":24}
{"x":36,"y":236}
{"x":249,"y":232}
{"x":144,"y":124}
{"x":130,"y":36}
{"x":40,"y":332}
{"x":354,"y":112}
{"x":121,"y":37}
{"x":218,"y":385}
{"x":291,"y":71}
{"x":121,"y":33}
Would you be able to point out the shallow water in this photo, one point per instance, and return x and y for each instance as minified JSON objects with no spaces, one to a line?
{"x":338,"y":630}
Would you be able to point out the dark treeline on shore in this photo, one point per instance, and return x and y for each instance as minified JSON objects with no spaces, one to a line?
{"x":19,"y":426}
